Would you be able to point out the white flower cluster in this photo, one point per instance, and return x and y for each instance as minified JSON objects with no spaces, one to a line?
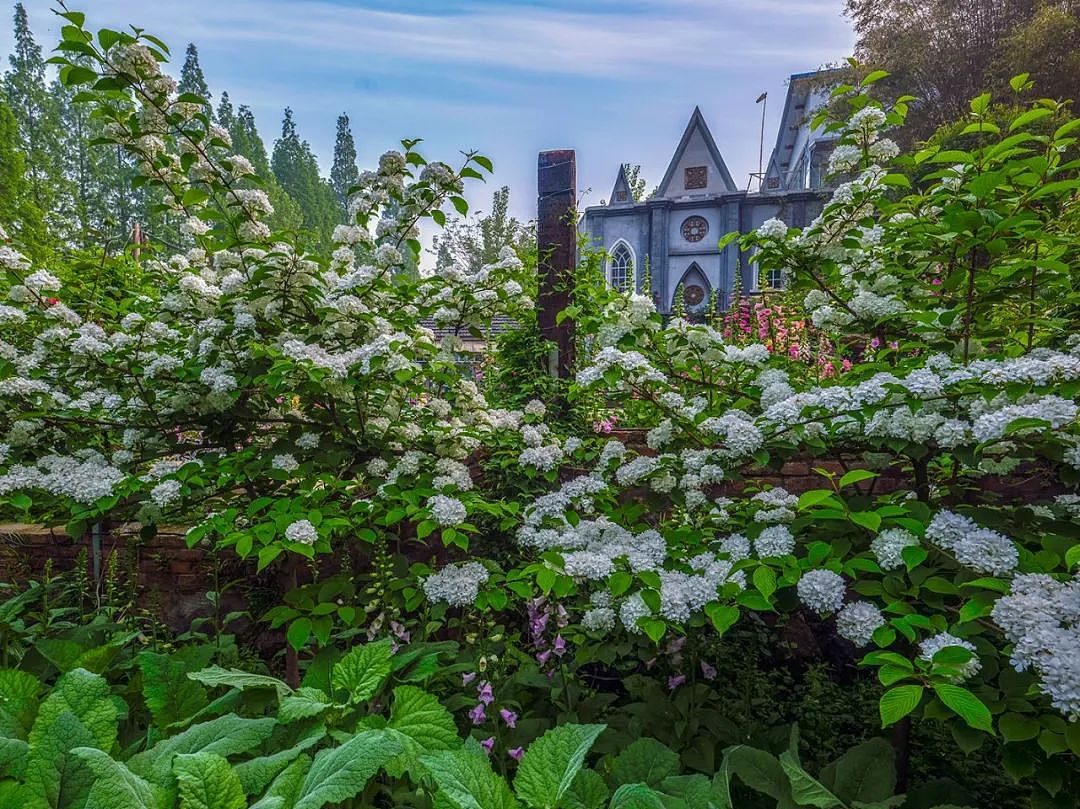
{"x":456,"y":584}
{"x":302,"y":531}
{"x":821,"y":590}
{"x":446,"y":511}
{"x":934,"y":644}
{"x":84,"y":479}
{"x":978,"y":548}
{"x":1041,"y":618}
{"x":888,"y":547}
{"x":858,"y":621}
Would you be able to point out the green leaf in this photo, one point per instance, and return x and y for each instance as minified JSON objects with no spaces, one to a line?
{"x":645,"y":761}
{"x":89,"y":698}
{"x":283,"y":791}
{"x":169,"y":694}
{"x":805,"y":789}
{"x":588,"y":791}
{"x":765,"y":580}
{"x":1017,"y":728}
{"x":207,"y":781}
{"x":466,"y":780}
{"x":302,"y":704}
{"x":866,"y":773}
{"x":52,"y":769}
{"x":235,"y":678}
{"x":867,"y":519}
{"x":968,"y":706}
{"x":758,"y":770}
{"x":12,"y":757}
{"x":362,"y":671}
{"x":256,"y":773}
{"x":695,"y":791}
{"x":115,"y":786}
{"x":814,"y":497}
{"x":723,"y":616}
{"x":460,"y":205}
{"x":896,"y":703}
{"x":548,"y":768}
{"x":18,"y":702}
{"x":424,"y":724}
{"x":635,"y":796}
{"x":341,"y":773}
{"x":856,"y":476}
{"x":226,"y":735}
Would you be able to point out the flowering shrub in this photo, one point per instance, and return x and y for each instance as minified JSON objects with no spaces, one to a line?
{"x":959,"y":298}
{"x":290,"y":405}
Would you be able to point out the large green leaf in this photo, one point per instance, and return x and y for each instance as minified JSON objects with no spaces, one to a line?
{"x":55,"y":777}
{"x":805,"y":789}
{"x":256,"y":773}
{"x":588,"y":791}
{"x":12,"y":757}
{"x":898,"y":702}
{"x":695,"y":791}
{"x":115,"y":786}
{"x":758,"y":770}
{"x":89,"y":698}
{"x":970,"y":708}
{"x":206,"y":781}
{"x":645,"y":761}
{"x":424,"y":724}
{"x":226,"y":736}
{"x":465,"y":779}
{"x":341,"y":772}
{"x":865,"y":773}
{"x":286,"y":786}
{"x":169,"y":694}
{"x":302,"y":704}
{"x":636,"y":796}
{"x":18,"y":702}
{"x":362,"y":671}
{"x":551,"y":762}
{"x":236,"y":678}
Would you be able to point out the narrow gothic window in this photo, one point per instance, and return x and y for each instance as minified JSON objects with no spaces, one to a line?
{"x":621,"y":268}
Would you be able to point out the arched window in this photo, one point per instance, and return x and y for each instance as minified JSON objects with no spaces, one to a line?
{"x":621,"y":267}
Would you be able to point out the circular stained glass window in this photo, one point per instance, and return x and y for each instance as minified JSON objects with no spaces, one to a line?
{"x":694,"y":228}
{"x":693,"y":295}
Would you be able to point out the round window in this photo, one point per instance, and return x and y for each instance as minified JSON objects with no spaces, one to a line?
{"x":694,"y":228}
{"x":693,"y":295}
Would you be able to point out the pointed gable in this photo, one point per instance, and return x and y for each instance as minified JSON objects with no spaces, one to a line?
{"x":696,"y":168}
{"x":621,"y":193}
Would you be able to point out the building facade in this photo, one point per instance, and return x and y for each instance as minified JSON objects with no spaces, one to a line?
{"x":674,"y":235}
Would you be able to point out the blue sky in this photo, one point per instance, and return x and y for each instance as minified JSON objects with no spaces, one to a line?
{"x":614,"y":79}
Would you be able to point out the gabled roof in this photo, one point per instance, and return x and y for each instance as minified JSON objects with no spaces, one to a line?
{"x":800,"y":91}
{"x":696,"y":126}
{"x":622,"y":186}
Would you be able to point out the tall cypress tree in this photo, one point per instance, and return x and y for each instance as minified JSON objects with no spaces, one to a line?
{"x":18,"y":213}
{"x":247,"y":141}
{"x":36,"y":115}
{"x":344,"y":173}
{"x":192,"y":79}
{"x":297,"y":170}
{"x":225,"y":115}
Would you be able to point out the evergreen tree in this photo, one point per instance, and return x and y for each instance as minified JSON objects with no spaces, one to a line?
{"x":36,"y":115}
{"x":226,"y":116}
{"x":247,"y":141}
{"x":192,"y":79}
{"x":18,"y":213}
{"x":476,"y":242}
{"x":344,"y":173}
{"x":297,"y":170}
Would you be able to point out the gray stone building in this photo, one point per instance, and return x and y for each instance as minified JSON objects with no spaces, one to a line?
{"x":674,"y":234}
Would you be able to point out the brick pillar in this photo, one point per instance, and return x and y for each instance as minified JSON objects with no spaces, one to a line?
{"x":556,"y":240}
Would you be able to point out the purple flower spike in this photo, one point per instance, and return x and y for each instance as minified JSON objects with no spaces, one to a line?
{"x":509,"y":717}
{"x":488,"y":744}
{"x":707,"y":671}
{"x":486,"y":695}
{"x":517,"y":753}
{"x":676,"y":681}
{"x":477,"y":714}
